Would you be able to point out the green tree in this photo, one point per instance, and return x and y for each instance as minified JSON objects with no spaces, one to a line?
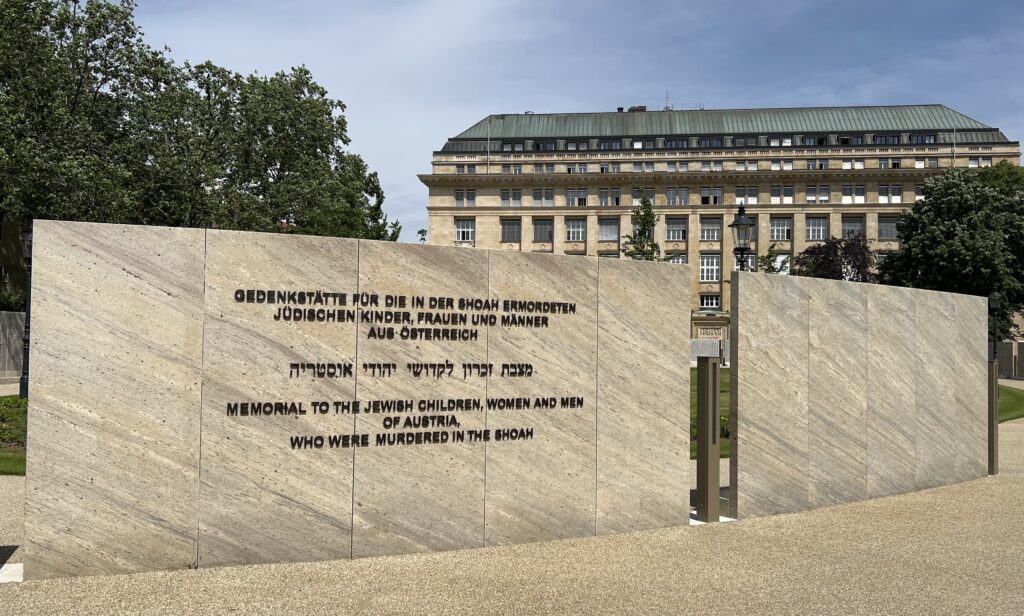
{"x":768,"y":263}
{"x":95,"y":125}
{"x":640,"y":244}
{"x":965,"y":236}
{"x":837,"y":259}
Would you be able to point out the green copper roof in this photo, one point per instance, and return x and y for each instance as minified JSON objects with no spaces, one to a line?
{"x":721,"y":122}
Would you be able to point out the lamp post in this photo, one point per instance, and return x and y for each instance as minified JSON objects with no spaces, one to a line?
{"x":995,"y":301}
{"x":741,"y":226}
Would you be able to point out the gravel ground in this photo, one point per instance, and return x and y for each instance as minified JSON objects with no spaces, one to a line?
{"x":951,"y":550}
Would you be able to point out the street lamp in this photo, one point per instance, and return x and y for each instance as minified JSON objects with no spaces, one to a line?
{"x":995,"y":300}
{"x":741,"y":226}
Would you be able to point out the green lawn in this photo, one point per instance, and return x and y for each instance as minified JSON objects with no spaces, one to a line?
{"x":723,"y":411}
{"x":1011,"y":403}
{"x":12,"y":461}
{"x":12,"y":435}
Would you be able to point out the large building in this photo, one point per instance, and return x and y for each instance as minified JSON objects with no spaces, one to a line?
{"x":566,"y":183}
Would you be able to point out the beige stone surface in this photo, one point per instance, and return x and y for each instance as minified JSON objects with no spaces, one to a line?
{"x":113,"y":420}
{"x":153,"y":344}
{"x":544,"y":488}
{"x":262,"y":501}
{"x":772,"y":379}
{"x":892,"y":424}
{"x":970,"y":382}
{"x":937,"y":428}
{"x":421,"y":497}
{"x":643,"y":433}
{"x":837,"y":392}
{"x":895,"y":391}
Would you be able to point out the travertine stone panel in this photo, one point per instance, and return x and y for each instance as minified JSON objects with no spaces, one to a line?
{"x":969,"y":383}
{"x":896,"y":397}
{"x":837,"y":392}
{"x":261,"y":499}
{"x":643,"y":433}
{"x":421,"y":497}
{"x":544,"y":487}
{"x":892,"y":423}
{"x":113,"y":434}
{"x":937,"y":430}
{"x":772,"y":373}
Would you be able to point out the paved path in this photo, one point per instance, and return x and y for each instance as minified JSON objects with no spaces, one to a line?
{"x":952,"y":550}
{"x":1014,"y":383}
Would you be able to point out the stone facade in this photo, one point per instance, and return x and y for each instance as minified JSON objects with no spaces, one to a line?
{"x":836,"y":182}
{"x":180,"y":418}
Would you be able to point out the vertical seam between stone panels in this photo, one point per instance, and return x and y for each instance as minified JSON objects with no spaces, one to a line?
{"x":916,"y":378}
{"x":355,"y":416}
{"x":202,"y":396}
{"x":807,"y":400}
{"x":487,"y":387}
{"x":867,"y":379}
{"x":597,"y":381}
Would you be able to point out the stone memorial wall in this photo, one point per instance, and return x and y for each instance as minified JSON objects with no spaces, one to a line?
{"x":846,"y":391}
{"x":202,"y":398}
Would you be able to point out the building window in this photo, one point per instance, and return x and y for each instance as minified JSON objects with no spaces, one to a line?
{"x":710,"y":228}
{"x":781,"y":194}
{"x":933,"y":163}
{"x":545,"y":146}
{"x":543,"y":230}
{"x":576,"y":198}
{"x":887,"y":228}
{"x":710,"y":301}
{"x":919,"y":193}
{"x":814,"y":164}
{"x":681,"y":166}
{"x":575,"y":229}
{"x":465,"y":229}
{"x":465,"y":198}
{"x":679,"y":259}
{"x":709,"y":142}
{"x":511,"y":230}
{"x":609,"y":145}
{"x":505,"y":198}
{"x":776,"y":165}
{"x":577,"y":145}
{"x":608,"y":229}
{"x":638,"y":194}
{"x":782,"y":228}
{"x":746,"y":195}
{"x":711,"y":165}
{"x":603,"y":167}
{"x":782,"y":263}
{"x":638,"y":167}
{"x":817,"y":194}
{"x":853,"y":194}
{"x":649,"y":167}
{"x":886,"y":140}
{"x":677,"y":144}
{"x":917,"y":139}
{"x":751,"y":263}
{"x":890,"y":194}
{"x":817,"y":227}
{"x":676,"y":229}
{"x":852,"y":226}
{"x":815,"y":140}
{"x":711,"y":196}
{"x":710,"y":268}
{"x":677,"y":196}
{"x":465,"y":169}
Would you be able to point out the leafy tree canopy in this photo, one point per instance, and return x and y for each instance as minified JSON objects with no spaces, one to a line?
{"x":837,"y":259}
{"x":966,"y":236}
{"x":769,"y":263}
{"x":640,"y":244}
{"x":95,"y":125}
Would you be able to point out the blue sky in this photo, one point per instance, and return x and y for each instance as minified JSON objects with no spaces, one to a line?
{"x":415,"y":73}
